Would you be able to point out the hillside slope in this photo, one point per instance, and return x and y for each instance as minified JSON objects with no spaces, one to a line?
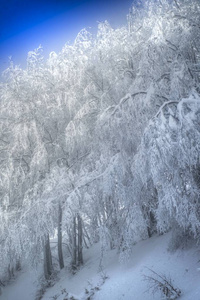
{"x":125,"y":281}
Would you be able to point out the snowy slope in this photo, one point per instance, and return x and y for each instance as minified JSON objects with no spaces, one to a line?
{"x":23,"y":288}
{"x":128,"y":282}
{"x":125,"y":282}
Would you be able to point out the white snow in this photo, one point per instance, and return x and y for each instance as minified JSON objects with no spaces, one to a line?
{"x":125,"y":282}
{"x":23,"y":288}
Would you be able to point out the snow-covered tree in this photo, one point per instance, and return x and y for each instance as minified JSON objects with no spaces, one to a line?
{"x":102,"y":139}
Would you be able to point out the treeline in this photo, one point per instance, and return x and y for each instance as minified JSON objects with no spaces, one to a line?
{"x":102,"y":141}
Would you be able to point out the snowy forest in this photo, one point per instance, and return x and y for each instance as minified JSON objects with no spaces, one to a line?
{"x":100,"y":143}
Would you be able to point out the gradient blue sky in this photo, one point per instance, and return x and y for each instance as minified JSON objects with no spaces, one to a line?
{"x":25,"y":24}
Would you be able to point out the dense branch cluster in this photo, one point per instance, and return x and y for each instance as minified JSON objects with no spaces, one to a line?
{"x":102,"y":140}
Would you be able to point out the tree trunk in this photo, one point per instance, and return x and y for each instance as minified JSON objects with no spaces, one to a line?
{"x":84,"y":239}
{"x":10,"y":272}
{"x":48,"y":267}
{"x":80,"y":241}
{"x":86,"y":234}
{"x":18,"y":265}
{"x":60,"y":252}
{"x":74,"y":261}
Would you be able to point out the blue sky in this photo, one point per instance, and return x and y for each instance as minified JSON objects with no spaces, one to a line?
{"x":25,"y":24}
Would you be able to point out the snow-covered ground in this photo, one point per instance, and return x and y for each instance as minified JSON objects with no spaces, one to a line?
{"x":128,"y":282}
{"x":23,"y":288}
{"x":125,"y":282}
